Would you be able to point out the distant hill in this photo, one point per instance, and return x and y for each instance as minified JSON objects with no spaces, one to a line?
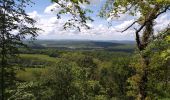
{"x":123,"y":41}
{"x":83,"y":45}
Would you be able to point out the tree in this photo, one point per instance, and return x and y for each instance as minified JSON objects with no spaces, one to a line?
{"x":62,"y":82}
{"x":159,"y":66}
{"x":149,"y":11}
{"x":78,"y":14}
{"x":15,"y":26}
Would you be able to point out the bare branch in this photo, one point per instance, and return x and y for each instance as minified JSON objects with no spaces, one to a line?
{"x":129,"y":26}
{"x":150,"y":19}
{"x":128,"y":9}
{"x":166,"y":8}
{"x":138,"y":38}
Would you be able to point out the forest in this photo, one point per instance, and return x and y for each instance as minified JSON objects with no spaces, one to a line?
{"x":37,"y":69}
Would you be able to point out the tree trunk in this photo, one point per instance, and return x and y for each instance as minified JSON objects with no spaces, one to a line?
{"x":148,"y":32}
{"x":2,"y":75}
{"x":144,"y":79}
{"x":3,"y":64}
{"x":3,"y":54}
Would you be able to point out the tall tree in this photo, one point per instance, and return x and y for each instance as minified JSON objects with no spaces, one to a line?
{"x":15,"y":26}
{"x":149,"y":11}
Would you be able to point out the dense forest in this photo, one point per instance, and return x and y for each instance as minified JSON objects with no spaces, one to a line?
{"x":33,"y":69}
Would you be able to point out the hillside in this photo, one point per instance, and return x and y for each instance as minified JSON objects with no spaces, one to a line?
{"x":83,"y":45}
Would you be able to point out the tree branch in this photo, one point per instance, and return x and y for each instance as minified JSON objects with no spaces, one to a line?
{"x":129,"y":26}
{"x":166,"y":8}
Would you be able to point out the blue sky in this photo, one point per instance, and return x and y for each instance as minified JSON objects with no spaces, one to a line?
{"x":100,"y":30}
{"x":39,"y":6}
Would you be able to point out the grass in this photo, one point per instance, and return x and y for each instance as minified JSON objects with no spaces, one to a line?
{"x":39,"y":57}
{"x":30,"y":74}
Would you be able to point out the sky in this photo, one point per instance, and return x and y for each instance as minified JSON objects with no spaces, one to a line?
{"x":52,"y":28}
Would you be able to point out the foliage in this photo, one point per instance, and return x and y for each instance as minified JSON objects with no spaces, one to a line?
{"x":90,"y":75}
{"x":86,"y":75}
{"x":158,"y":70}
{"x":78,"y":18}
{"x":15,"y":25}
{"x":149,"y":11}
{"x":79,"y":73}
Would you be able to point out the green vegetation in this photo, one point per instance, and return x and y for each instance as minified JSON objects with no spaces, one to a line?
{"x":85,"y":75}
{"x":15,"y":25}
{"x":85,"y":70}
{"x":75,"y":75}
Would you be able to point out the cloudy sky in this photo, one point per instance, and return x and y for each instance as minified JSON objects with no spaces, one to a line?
{"x":100,"y":29}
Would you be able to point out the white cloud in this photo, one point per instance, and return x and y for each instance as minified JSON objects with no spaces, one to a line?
{"x":124,"y":25}
{"x":94,"y":1}
{"x":34,"y":15}
{"x":162,"y":22}
{"x":53,"y":27}
{"x":52,"y":9}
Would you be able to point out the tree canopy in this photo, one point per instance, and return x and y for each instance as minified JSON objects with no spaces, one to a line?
{"x":15,"y":26}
